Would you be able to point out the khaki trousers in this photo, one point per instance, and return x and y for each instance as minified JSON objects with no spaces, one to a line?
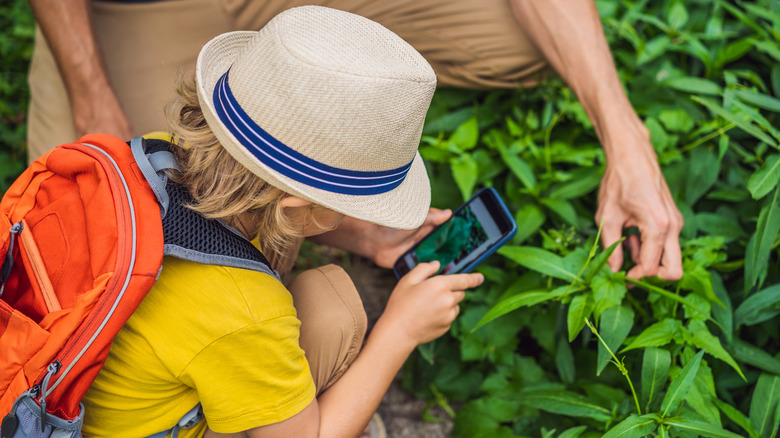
{"x":469,"y":43}
{"x":333,"y":322}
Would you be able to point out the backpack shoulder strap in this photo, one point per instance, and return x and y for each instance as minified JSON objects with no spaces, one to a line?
{"x":187,"y":234}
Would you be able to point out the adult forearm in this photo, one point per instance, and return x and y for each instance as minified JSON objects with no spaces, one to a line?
{"x":570,"y":35}
{"x":68,"y":29}
{"x":347,"y":406}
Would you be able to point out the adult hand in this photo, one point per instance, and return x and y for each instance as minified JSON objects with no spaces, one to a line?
{"x":633,"y":193}
{"x":389,"y":244}
{"x":381,"y":244}
{"x":97,"y":110}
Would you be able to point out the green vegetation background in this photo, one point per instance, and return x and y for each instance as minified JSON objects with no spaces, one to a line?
{"x":554,"y":344}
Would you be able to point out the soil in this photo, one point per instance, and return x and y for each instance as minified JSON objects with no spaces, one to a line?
{"x":401,"y":412}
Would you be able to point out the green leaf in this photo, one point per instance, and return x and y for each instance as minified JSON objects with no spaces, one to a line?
{"x":560,"y":401}
{"x":614,"y":325}
{"x":465,"y":171}
{"x":580,"y":308}
{"x":657,"y":335}
{"x":701,"y":174}
{"x":519,"y":167}
{"x":466,"y":136}
{"x":752,"y":355}
{"x":758,"y":307}
{"x":676,"y":120}
{"x":700,"y":428}
{"x":757,"y":252}
{"x":608,"y":291}
{"x":633,"y":427}
{"x":678,"y":15}
{"x":680,"y":385}
{"x":597,"y":264}
{"x":539,"y":260}
{"x":695,"y":85}
{"x":717,"y":224}
{"x":699,"y":280}
{"x":655,"y":372}
{"x":564,"y":361}
{"x":573,"y":432}
{"x":523,"y":299}
{"x":529,"y":218}
{"x":734,"y":51}
{"x":763,"y":403}
{"x":583,"y":181}
{"x":564,"y":209}
{"x":724,"y":316}
{"x":738,"y":120}
{"x":702,"y":338}
{"x":736,"y":416}
{"x":759,"y":99}
{"x":765,"y":178}
{"x":776,"y":79}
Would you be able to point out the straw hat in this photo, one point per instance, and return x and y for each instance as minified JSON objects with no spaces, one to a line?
{"x":325,"y":105}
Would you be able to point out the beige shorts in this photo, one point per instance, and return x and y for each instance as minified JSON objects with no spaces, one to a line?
{"x":333,"y":322}
{"x":469,"y":43}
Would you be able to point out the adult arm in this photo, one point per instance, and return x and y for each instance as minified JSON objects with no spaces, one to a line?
{"x":67,"y":26}
{"x":633,"y":191}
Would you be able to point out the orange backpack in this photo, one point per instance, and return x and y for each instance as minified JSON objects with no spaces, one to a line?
{"x":81,"y":243}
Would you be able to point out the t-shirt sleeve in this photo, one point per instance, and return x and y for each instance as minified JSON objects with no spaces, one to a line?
{"x":252,"y":377}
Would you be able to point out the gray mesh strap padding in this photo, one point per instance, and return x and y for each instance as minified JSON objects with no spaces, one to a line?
{"x":190,"y":236}
{"x":187,"y":234}
{"x":155,"y":177}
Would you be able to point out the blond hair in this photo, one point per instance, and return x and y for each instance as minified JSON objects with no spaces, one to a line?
{"x":220,"y":186}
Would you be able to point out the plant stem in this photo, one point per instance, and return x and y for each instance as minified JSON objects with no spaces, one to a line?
{"x":706,"y":138}
{"x":617,"y":363}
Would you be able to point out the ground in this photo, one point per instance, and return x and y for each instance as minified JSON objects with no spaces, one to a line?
{"x":401,"y":412}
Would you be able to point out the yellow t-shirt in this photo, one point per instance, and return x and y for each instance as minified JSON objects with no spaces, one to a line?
{"x":224,"y":337}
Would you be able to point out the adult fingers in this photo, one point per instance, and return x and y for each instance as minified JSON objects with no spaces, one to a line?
{"x":421,"y":272}
{"x":649,"y":256}
{"x":671,"y":261}
{"x":634,"y":244}
{"x":437,"y":217}
{"x":611,"y":231}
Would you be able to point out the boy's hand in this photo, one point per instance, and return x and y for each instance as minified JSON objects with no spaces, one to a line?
{"x":421,"y":308}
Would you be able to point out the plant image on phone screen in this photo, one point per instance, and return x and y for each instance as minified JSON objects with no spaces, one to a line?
{"x":473,"y":230}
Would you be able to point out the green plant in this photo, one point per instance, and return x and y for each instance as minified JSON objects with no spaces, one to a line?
{"x":16,"y":39}
{"x":530,"y":354}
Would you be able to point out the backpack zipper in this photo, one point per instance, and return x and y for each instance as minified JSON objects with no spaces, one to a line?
{"x":70,"y":357}
{"x":8,"y":263}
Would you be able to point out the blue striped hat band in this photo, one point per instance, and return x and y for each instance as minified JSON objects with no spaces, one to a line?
{"x":293,"y":164}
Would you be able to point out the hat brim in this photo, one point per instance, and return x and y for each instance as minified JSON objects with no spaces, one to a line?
{"x":404,"y":207}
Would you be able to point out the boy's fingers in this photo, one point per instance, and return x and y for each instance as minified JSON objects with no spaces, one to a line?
{"x":461,"y":282}
{"x":459,"y":295}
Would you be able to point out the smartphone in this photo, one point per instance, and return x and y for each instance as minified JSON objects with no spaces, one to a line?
{"x":474,"y":231}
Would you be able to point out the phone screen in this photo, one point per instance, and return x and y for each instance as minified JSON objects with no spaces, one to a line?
{"x":474,"y":230}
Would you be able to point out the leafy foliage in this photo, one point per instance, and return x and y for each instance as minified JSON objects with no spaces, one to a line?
{"x":16,"y":38}
{"x":554,"y":344}
{"x":530,"y":354}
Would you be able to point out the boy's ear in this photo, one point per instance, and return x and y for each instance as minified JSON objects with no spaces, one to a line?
{"x":294,"y":201}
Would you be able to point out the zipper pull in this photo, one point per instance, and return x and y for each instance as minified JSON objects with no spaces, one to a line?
{"x":53,"y":368}
{"x":8,"y":263}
